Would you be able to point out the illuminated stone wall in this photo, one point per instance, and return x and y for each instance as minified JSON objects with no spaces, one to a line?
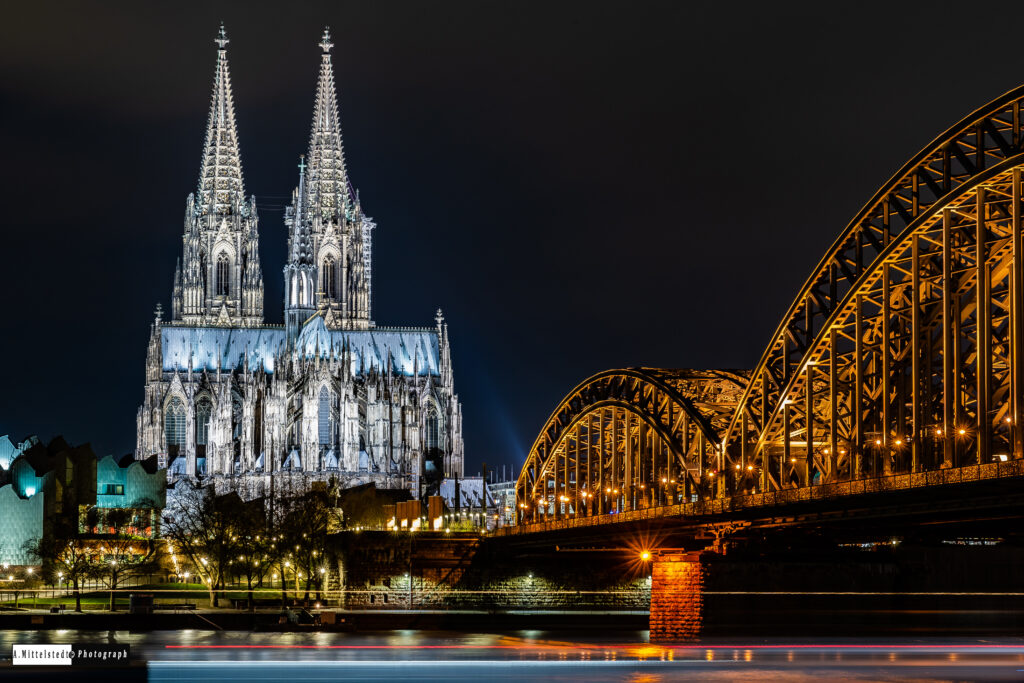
{"x":677,"y":599}
{"x":452,"y":572}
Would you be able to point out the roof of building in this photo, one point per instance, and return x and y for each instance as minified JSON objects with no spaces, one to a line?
{"x":406,"y":350}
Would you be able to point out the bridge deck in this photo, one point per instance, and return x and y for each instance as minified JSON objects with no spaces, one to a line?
{"x":718,"y":507}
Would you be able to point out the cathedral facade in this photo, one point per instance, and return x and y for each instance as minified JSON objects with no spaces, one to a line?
{"x":326,"y":396}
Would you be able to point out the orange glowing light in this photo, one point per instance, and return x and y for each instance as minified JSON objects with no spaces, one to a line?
{"x":645,"y":555}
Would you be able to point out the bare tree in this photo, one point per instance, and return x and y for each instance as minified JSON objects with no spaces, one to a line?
{"x":201,"y":525}
{"x":251,"y":544}
{"x":119,"y":553}
{"x":305,"y":521}
{"x":68,"y":559}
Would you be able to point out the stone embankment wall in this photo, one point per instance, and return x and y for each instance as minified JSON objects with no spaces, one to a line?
{"x":397,"y":570}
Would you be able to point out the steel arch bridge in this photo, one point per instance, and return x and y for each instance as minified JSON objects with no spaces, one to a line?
{"x":620,"y":436}
{"x":902,"y":353}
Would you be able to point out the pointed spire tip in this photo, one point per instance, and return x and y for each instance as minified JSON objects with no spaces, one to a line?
{"x":222,"y":37}
{"x":325,"y":40}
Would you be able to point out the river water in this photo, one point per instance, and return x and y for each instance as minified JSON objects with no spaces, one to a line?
{"x":197,"y":655}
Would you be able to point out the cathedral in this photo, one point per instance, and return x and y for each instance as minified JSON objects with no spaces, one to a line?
{"x":328,"y":395}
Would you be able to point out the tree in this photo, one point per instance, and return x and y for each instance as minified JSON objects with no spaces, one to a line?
{"x":67,"y":559}
{"x":121,"y":553}
{"x":303,"y":524}
{"x":201,"y":526}
{"x":251,"y":544}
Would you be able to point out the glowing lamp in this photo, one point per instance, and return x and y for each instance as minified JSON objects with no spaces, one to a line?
{"x":645,"y":555}
{"x":30,"y":491}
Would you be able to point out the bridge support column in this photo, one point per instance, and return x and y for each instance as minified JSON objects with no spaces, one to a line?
{"x":677,"y":596}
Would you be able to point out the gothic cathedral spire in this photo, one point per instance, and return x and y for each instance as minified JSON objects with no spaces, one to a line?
{"x":328,"y":185}
{"x":220,"y":175}
{"x":331,"y":219}
{"x":221,"y":282}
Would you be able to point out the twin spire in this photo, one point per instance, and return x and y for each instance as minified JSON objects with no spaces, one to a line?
{"x":329,"y":194}
{"x":328,"y":189}
{"x":221,"y":190}
{"x":329,"y":244}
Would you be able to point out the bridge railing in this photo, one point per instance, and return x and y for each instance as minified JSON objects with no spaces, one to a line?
{"x":718,"y":506}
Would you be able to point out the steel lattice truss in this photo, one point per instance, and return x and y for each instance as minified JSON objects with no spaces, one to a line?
{"x":628,"y":438}
{"x":901,"y":353}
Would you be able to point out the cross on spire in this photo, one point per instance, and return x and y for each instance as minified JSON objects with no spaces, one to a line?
{"x":326,"y":43}
{"x":222,"y":37}
{"x":302,"y":163}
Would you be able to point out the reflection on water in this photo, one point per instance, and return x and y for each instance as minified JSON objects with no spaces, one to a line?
{"x":425,"y":655}
{"x":193,"y":655}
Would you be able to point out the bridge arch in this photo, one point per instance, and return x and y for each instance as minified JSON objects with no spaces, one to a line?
{"x":628,"y":438}
{"x":902,"y":351}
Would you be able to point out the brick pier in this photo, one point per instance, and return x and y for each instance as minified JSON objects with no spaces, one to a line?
{"x":677,"y":599}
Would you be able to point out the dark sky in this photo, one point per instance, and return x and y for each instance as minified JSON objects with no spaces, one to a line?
{"x":579,"y":185}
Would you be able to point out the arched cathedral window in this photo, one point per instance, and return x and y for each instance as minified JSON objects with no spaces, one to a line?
{"x":236,"y":416}
{"x":174,"y":425}
{"x":223,"y":277}
{"x":329,"y":279}
{"x":202,"y":272}
{"x":324,"y":416}
{"x":203,"y":411}
{"x":433,"y":435}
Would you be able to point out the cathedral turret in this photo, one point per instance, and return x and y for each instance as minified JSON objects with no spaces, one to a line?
{"x":176,"y":294}
{"x":221,"y":281}
{"x":299,"y":272}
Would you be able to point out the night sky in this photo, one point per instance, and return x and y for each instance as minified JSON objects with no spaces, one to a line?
{"x":579,"y":186}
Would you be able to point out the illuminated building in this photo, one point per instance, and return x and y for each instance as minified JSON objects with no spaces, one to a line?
{"x":329,"y":395}
{"x":48,"y":490}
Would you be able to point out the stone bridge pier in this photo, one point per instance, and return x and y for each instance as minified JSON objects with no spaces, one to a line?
{"x":677,"y":595}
